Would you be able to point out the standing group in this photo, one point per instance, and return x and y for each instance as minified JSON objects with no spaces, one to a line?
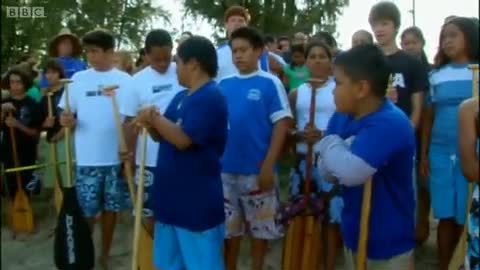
{"x":220,"y":119}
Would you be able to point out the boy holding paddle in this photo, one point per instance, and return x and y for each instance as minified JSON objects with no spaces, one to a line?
{"x":99,"y":184}
{"x":25,"y":116}
{"x":259,"y":116}
{"x":369,"y":136}
{"x":188,"y":195}
{"x":155,"y":85}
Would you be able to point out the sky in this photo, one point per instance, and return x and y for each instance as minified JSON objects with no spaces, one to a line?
{"x":429,"y":17}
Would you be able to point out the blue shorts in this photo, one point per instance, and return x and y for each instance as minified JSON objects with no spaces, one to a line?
{"x":175,"y":248}
{"x":101,"y":188}
{"x":147,"y":190}
{"x":448,"y":186}
{"x":335,"y":203}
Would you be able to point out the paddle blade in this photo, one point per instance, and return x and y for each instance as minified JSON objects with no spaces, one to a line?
{"x":22,"y":214}
{"x":145,"y":258}
{"x":73,"y":245}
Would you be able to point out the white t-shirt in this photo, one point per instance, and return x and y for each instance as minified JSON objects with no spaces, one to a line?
{"x":151,"y":88}
{"x":325,"y":107}
{"x":96,"y":134}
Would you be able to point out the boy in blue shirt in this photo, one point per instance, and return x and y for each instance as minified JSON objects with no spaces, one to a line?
{"x":370,"y":136}
{"x":258,"y":121}
{"x":188,"y":197}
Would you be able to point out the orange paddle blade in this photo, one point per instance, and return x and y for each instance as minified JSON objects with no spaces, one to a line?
{"x":22,"y":214}
{"x":145,"y":257}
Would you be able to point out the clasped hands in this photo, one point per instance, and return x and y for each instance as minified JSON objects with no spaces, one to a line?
{"x":310,"y":134}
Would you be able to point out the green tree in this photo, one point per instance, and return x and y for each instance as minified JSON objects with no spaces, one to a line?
{"x":128,"y":20}
{"x":274,"y":16}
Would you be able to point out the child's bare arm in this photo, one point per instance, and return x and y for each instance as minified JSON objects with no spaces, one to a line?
{"x":468,"y":139}
{"x":277,"y":142}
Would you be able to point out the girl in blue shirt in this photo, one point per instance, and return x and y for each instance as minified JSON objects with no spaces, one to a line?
{"x":450,"y":85}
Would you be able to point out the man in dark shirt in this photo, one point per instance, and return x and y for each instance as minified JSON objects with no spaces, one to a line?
{"x":410,"y":78}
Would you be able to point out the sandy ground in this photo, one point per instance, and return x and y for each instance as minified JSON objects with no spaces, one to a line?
{"x":36,"y":252}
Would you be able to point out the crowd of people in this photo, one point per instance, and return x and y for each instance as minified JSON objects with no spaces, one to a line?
{"x":220,"y":119}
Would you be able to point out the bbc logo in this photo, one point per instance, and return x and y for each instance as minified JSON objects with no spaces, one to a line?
{"x":25,"y":12}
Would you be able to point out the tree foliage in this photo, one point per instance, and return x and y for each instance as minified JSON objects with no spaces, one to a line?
{"x":128,"y":20}
{"x":274,"y":16}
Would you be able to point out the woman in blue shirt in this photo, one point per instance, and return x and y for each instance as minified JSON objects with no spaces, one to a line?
{"x":451,"y":84}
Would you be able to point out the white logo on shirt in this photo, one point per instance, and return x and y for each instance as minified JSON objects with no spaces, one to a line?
{"x":254,"y":94}
{"x":179,"y":121}
{"x":398,"y":80}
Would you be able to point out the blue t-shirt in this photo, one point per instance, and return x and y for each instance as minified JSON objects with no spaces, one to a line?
{"x":449,"y":87}
{"x":70,"y":66}
{"x":188,"y":187}
{"x":255,"y":103}
{"x":385,"y":140}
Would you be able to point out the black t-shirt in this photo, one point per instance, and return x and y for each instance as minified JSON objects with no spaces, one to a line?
{"x":55,"y":110}
{"x":409,"y":77}
{"x":30,"y":114}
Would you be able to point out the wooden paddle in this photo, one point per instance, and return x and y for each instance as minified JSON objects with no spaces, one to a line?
{"x":57,"y":188}
{"x":310,"y":220}
{"x":22,"y":219}
{"x":139,"y":202}
{"x":364,"y":226}
{"x":68,"y":134}
{"x":110,"y":91}
{"x":73,"y":245}
{"x":303,"y":243}
{"x":458,"y":258}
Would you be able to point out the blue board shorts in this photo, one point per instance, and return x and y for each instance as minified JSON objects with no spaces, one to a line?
{"x":448,"y":186}
{"x":175,"y":248}
{"x":101,"y":188}
{"x":147,"y":190}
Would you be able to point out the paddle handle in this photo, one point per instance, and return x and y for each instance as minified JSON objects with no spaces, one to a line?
{"x":309,"y":159}
{"x":68,"y":133}
{"x":49,"y":104}
{"x":364,"y":224}
{"x":16,"y":161}
{"x":139,"y":201}
{"x":123,"y":148}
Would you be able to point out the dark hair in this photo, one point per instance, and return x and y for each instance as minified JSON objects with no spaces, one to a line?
{"x":313,"y":44}
{"x":282,"y":38}
{"x":269,"y":39}
{"x":157,"y":38}
{"x":470,"y":29}
{"x":141,"y":52}
{"x":366,"y":62}
{"x":24,"y":75}
{"x":385,"y":10}
{"x":417,"y":32}
{"x":53,"y":64}
{"x":99,"y":38}
{"x":236,"y":11}
{"x":250,"y":34}
{"x":325,"y":37}
{"x":202,"y":50}
{"x":297,"y":48}
{"x":367,"y":34}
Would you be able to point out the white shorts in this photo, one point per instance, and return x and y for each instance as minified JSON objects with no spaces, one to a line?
{"x":248,"y":209}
